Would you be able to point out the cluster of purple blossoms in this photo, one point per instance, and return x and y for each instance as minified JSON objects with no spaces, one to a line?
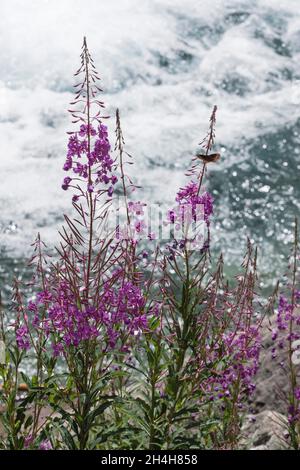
{"x":136,"y":211}
{"x":89,"y":158}
{"x":22,"y":337}
{"x":187,"y":218}
{"x":294,"y":410}
{"x":189,"y":197}
{"x":244,"y":347}
{"x":136,"y":208}
{"x":241,"y":351}
{"x":282,"y":335}
{"x":286,"y":335}
{"x":121,"y":314}
{"x":192,"y":207}
{"x":138,"y":227}
{"x":46,"y":445}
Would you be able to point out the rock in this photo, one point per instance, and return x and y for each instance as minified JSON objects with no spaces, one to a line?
{"x":266,"y":431}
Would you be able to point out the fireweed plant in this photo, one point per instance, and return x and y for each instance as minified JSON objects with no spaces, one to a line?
{"x":132,"y":343}
{"x":286,"y":339}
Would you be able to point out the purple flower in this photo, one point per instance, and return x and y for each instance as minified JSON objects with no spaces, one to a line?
{"x":28,"y":440}
{"x":274,"y":335}
{"x":66,"y":183}
{"x":32,"y":306}
{"x":68,"y":164}
{"x":57,"y":349}
{"x":43,"y":297}
{"x":85,"y":130}
{"x":22,"y":337}
{"x":91,"y":146}
{"x":46,"y":445}
{"x":122,"y":313}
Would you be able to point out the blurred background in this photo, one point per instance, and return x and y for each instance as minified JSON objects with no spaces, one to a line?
{"x":164,"y":63}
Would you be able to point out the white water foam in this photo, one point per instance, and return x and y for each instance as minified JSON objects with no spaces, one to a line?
{"x":164,"y":63}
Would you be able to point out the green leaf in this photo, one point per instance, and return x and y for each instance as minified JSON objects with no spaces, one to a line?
{"x":68,"y":438}
{"x":26,"y":379}
{"x":97,"y":412}
{"x":28,"y":421}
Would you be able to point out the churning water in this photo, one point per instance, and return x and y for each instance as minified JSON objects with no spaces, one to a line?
{"x":164,"y":63}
